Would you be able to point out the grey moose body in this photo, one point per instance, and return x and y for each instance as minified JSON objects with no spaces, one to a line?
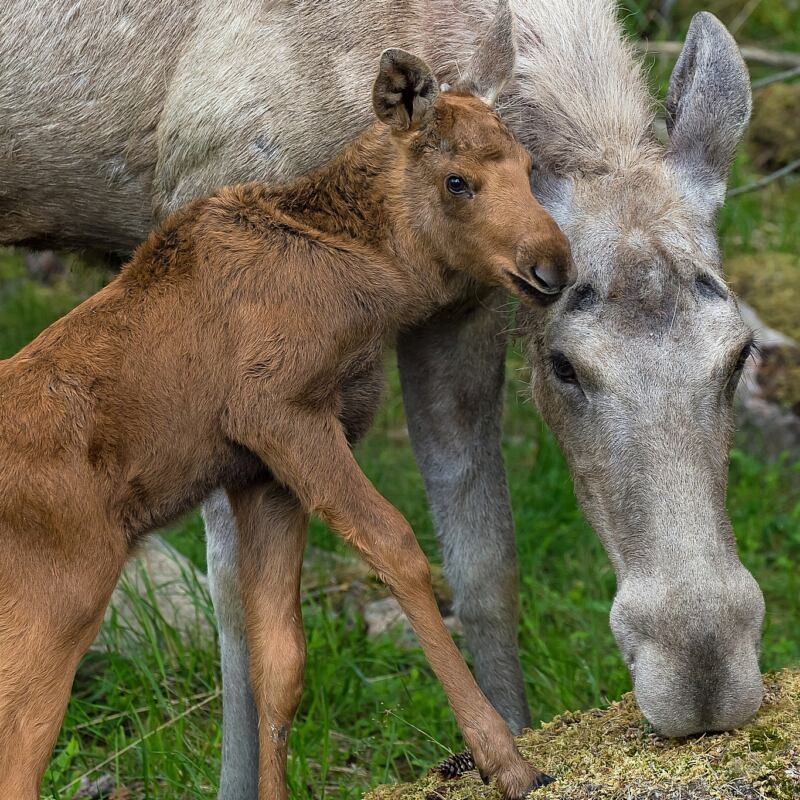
{"x":633,"y":368}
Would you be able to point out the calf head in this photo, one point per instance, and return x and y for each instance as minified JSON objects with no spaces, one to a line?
{"x":461,"y":183}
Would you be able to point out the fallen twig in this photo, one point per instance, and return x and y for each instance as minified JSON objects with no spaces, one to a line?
{"x":766,"y":180}
{"x":772,"y":58}
{"x":114,"y":756}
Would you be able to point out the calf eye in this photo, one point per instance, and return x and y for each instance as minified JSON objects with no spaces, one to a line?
{"x":562,"y":369}
{"x":456,"y":185}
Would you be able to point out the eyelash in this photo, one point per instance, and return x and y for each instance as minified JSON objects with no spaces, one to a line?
{"x":750,"y":349}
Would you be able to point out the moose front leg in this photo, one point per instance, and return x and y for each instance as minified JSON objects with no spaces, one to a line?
{"x":239,"y":773}
{"x":309,"y":454}
{"x":452,"y":371}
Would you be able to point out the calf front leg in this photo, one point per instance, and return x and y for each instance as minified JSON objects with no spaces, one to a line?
{"x":452,"y":371}
{"x":309,"y":454}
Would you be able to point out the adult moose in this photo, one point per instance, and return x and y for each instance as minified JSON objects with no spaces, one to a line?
{"x":179,"y":98}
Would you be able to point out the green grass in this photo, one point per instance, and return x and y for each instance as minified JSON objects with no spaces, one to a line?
{"x":371,"y":711}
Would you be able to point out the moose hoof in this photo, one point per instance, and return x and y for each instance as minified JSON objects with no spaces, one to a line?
{"x":535,"y":780}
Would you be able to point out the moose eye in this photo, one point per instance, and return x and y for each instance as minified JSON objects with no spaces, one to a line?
{"x":747,"y":351}
{"x":743,"y":356}
{"x":738,"y":367}
{"x":456,"y":185}
{"x":562,"y":369}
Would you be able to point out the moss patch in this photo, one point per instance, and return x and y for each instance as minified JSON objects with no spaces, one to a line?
{"x":770,"y":283}
{"x":774,"y":135}
{"x":612,"y":755}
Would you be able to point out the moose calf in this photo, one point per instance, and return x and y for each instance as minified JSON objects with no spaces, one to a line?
{"x":241,"y":348}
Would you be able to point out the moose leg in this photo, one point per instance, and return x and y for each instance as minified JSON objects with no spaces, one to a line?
{"x":272,"y":535}
{"x":309,"y":453}
{"x":51,"y":607}
{"x":239,"y":778}
{"x":452,"y":371}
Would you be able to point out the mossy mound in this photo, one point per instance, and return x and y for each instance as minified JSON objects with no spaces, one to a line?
{"x":774,"y":134}
{"x":613,"y":755}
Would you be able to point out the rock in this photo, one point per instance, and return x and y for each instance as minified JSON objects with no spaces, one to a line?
{"x":158,"y":582}
{"x":768,"y":396}
{"x":382,"y":615}
{"x":326,"y":572}
{"x":768,"y":285}
{"x":613,"y":755}
{"x":97,"y":789}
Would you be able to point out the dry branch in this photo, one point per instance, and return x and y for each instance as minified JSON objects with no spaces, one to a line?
{"x":794,"y":166}
{"x":778,"y":77}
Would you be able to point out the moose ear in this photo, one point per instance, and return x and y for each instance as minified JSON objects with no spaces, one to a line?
{"x":708,"y":108}
{"x":404,"y":90}
{"x":492,"y":65}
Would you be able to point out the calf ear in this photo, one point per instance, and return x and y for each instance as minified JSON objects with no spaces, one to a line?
{"x":404,"y":90}
{"x":708,"y":108}
{"x":492,"y":65}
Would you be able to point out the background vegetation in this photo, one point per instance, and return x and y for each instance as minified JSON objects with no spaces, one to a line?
{"x":372,"y":711}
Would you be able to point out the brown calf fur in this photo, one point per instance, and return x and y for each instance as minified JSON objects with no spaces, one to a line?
{"x":241,"y":348}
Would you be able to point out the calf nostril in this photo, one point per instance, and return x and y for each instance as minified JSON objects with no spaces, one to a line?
{"x":548,"y":277}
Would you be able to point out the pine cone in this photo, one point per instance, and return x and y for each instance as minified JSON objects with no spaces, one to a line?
{"x":456,"y":765}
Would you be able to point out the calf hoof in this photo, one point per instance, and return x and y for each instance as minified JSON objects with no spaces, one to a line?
{"x":540,"y":780}
{"x":534,"y":782}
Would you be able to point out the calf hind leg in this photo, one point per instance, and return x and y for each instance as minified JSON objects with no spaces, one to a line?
{"x":272,"y":535}
{"x":50,"y":612}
